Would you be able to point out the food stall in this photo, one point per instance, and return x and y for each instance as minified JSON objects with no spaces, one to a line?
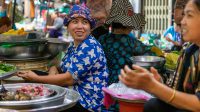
{"x":31,"y":51}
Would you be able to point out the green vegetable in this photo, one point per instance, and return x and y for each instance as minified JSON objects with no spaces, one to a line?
{"x":171,"y":60}
{"x":2,"y":72}
{"x":6,"y":68}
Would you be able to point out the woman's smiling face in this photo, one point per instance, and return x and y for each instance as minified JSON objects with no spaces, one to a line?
{"x":191,"y":23}
{"x":79,"y":28}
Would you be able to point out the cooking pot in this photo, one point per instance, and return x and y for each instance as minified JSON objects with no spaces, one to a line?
{"x":21,"y":47}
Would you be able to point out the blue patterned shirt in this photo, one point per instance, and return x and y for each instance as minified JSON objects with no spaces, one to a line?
{"x":87,"y":64}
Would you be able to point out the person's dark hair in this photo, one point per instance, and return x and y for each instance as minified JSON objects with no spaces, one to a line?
{"x":197,"y":3}
{"x":117,"y":25}
{"x":180,"y":4}
{"x":5,"y":21}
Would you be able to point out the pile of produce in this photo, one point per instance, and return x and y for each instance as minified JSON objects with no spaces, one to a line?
{"x":15,"y":32}
{"x":6,"y":68}
{"x":171,"y":60}
{"x":157,"y":51}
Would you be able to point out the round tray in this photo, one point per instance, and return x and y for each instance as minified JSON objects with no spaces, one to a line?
{"x":7,"y":74}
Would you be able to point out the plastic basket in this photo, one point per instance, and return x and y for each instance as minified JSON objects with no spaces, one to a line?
{"x":131,"y":106}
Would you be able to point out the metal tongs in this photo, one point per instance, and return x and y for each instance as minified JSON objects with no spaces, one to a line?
{"x":3,"y":90}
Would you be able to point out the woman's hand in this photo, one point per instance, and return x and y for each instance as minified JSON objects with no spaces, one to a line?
{"x":27,"y":75}
{"x":139,"y":78}
{"x":156,"y":75}
{"x":53,"y":70}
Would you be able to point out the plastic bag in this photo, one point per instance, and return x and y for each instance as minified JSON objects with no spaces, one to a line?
{"x":120,"y":90}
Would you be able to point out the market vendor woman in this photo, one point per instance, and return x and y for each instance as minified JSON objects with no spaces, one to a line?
{"x":5,"y":23}
{"x":185,"y":95}
{"x":83,"y":66}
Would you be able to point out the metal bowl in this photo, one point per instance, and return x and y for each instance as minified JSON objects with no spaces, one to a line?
{"x":21,"y":47}
{"x":148,"y":61}
{"x":56,"y":99}
{"x":25,"y":51}
{"x":55,"y":46}
{"x":71,"y":98}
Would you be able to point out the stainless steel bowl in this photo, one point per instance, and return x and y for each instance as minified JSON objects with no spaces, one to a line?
{"x":148,"y":61}
{"x":56,"y":99}
{"x":21,"y":47}
{"x":55,"y":46}
{"x":26,"y":51}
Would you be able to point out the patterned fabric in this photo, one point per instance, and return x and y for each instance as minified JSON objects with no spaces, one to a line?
{"x":87,"y":64}
{"x":187,"y":77}
{"x":118,"y":49}
{"x":80,"y":11}
{"x":122,"y":12}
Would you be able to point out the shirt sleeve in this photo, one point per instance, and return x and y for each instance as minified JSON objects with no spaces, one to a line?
{"x":168,"y":31}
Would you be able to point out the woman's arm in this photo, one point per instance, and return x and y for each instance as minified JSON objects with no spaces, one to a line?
{"x":144,"y":79}
{"x":180,"y":100}
{"x":174,"y":42}
{"x":59,"y":79}
{"x":51,"y":27}
{"x":53,"y":70}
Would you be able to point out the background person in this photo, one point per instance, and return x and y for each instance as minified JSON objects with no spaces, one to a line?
{"x":57,"y":28}
{"x":173,"y":35}
{"x":185,"y":84}
{"x":118,"y":46}
{"x":100,"y":10}
{"x":5,"y":23}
